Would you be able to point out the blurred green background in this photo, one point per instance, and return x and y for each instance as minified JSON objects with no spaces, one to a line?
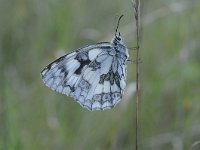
{"x":35,"y":32}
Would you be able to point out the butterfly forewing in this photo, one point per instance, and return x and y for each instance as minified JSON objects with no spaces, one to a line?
{"x":94,"y":75}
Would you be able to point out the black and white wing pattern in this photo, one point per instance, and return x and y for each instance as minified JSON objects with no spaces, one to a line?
{"x":95,"y":75}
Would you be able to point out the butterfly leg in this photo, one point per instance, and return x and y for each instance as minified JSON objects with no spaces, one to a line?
{"x":134,"y":61}
{"x":133,"y":48}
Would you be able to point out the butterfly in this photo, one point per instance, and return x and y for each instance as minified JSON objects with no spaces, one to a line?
{"x":94,"y":75}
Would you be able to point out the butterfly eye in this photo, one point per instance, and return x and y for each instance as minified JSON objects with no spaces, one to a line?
{"x":118,"y":38}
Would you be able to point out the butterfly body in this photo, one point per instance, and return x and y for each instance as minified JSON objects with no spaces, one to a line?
{"x":94,"y":75}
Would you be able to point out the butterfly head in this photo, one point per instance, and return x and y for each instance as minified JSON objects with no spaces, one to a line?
{"x":118,"y":38}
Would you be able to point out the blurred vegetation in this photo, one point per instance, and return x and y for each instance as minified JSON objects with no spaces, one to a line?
{"x":34,"y":33}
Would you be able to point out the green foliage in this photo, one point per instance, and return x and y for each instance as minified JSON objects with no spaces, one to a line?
{"x":33,"y":33}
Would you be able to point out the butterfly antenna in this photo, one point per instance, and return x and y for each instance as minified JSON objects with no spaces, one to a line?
{"x":118,"y":25}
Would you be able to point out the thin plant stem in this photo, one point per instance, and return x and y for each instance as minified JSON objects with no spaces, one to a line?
{"x":136,"y":8}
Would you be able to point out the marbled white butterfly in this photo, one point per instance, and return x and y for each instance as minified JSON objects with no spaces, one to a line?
{"x":94,"y":75}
